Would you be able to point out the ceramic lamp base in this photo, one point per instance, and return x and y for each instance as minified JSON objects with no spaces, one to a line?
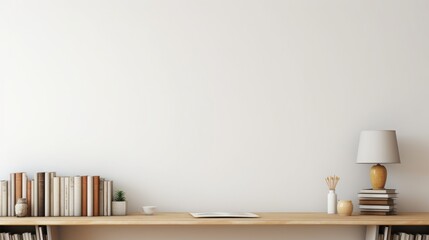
{"x":378,"y":175}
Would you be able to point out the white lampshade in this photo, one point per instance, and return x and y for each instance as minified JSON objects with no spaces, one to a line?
{"x":378,"y":146}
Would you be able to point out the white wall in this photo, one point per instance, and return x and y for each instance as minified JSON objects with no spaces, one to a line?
{"x":216,"y":105}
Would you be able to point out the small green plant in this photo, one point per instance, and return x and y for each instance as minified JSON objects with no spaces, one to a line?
{"x":119,"y":196}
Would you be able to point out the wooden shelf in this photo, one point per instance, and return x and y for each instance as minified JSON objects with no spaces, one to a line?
{"x":176,"y":219}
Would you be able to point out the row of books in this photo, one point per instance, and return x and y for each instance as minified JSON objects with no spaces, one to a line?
{"x":386,"y":234}
{"x":51,"y":195}
{"x":377,"y":202}
{"x":38,"y":234}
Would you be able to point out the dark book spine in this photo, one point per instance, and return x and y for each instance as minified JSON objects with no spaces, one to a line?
{"x":41,"y":194}
{"x":84,"y":195}
{"x":96,"y":192}
{"x":18,"y":187}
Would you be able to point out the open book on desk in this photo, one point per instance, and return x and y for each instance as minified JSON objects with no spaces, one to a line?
{"x":224,"y":215}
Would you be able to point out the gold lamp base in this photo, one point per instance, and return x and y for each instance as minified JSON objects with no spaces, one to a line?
{"x":378,"y":175}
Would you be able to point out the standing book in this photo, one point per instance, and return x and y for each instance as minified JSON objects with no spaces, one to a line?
{"x":11,"y":188}
{"x":40,"y":194}
{"x":18,"y":187}
{"x":77,"y":196}
{"x":90,"y":197}
{"x":66,"y":196}
{"x":4,"y":198}
{"x":47,"y":195}
{"x":56,"y":196}
{"x":29,"y":198}
{"x":71,"y":197}
{"x":62,"y":196}
{"x":95,"y":195}
{"x":84,"y":194}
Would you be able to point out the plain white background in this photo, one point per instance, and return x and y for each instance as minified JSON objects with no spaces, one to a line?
{"x":216,"y":105}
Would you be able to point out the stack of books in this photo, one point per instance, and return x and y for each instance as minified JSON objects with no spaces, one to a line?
{"x":377,"y":202}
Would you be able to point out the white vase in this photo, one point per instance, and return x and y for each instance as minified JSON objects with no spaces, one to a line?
{"x":332,"y":202}
{"x":119,"y":208}
{"x":21,"y":207}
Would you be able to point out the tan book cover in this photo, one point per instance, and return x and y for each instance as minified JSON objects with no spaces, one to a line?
{"x":18,"y":187}
{"x":29,"y":196}
{"x":84,"y":195}
{"x":96,"y":192}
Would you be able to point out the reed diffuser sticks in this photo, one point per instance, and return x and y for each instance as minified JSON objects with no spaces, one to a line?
{"x":332,"y":182}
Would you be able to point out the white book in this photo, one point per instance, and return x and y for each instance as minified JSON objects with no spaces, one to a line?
{"x":419,"y":237}
{"x":24,"y":185}
{"x":105,"y":197}
{"x":56,"y":196}
{"x":411,"y":237}
{"x":62,"y":196}
{"x":47,"y":195}
{"x":109,"y":197}
{"x":101,"y":198}
{"x":52,"y":175}
{"x":66,"y":196}
{"x":49,"y":232}
{"x":36,"y":230}
{"x":32,"y":197}
{"x":4,"y":198}
{"x":386,"y":233}
{"x":90,"y":197}
{"x":35,"y":196}
{"x":12,"y":195}
{"x":71,"y":197}
{"x":77,"y":196}
{"x":41,"y":233}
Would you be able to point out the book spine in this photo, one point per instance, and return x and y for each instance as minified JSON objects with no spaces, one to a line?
{"x":12,"y":195}
{"x":34,"y":197}
{"x":24,"y":186}
{"x":90,"y":197}
{"x":4,"y":198}
{"x":56,"y":195}
{"x":109,"y":197}
{"x":29,"y":198}
{"x":77,"y":196}
{"x":71,"y":197}
{"x":18,"y":187}
{"x":41,"y":194}
{"x":95,"y":192}
{"x":62,"y":196}
{"x":101,"y":198}
{"x":47,"y":195}
{"x":84,"y":195}
{"x":51,"y":194}
{"x":66,"y":196}
{"x":105,"y":197}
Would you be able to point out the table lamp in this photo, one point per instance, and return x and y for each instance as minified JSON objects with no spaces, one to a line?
{"x":378,"y":146}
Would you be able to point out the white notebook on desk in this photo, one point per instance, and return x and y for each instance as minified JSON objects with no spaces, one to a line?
{"x":224,"y":215}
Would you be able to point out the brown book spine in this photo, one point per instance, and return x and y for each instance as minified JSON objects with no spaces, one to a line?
{"x":41,"y":194}
{"x":29,"y":198}
{"x":84,"y":195}
{"x":18,"y":187}
{"x":95,"y":193}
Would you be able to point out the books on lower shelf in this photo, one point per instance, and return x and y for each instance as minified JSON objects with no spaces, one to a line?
{"x":37,"y":233}
{"x":51,"y":195}
{"x":390,"y":233}
{"x":377,"y":202}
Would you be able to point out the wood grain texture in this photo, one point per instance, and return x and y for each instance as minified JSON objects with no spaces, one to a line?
{"x":177,"y":219}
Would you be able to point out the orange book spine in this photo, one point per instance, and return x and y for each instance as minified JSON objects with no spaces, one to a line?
{"x":84,"y":195}
{"x":18,"y":187}
{"x":95,"y":194}
{"x":29,"y":198}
